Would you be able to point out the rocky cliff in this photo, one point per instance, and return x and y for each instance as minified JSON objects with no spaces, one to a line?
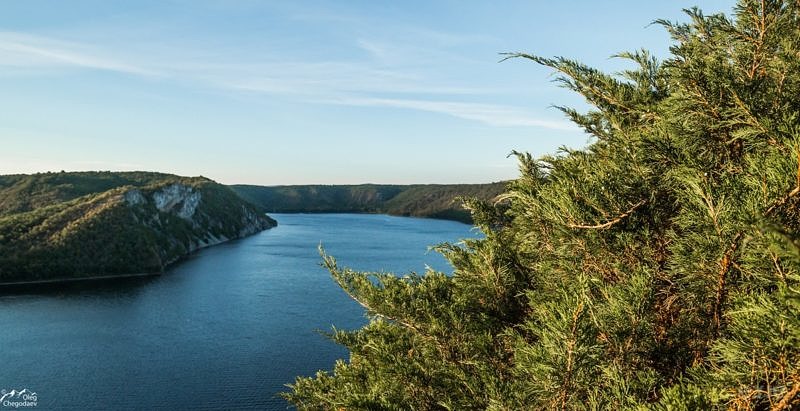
{"x":133,"y":228}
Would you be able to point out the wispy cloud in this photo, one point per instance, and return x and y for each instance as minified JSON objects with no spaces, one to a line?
{"x":375,"y":79}
{"x":26,"y":51}
{"x":312,"y":78}
{"x":327,"y":79}
{"x":491,"y":114}
{"x":303,"y":78}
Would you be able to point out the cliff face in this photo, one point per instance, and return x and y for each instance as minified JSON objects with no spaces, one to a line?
{"x":178,"y":217}
{"x":124,"y":230}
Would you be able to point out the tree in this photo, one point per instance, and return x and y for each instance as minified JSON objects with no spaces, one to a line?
{"x":659,"y":268}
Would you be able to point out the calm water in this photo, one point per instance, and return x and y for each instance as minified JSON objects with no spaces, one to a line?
{"x":227,"y":328}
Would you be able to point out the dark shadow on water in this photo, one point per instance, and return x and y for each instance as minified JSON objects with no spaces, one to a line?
{"x":102,"y":285}
{"x":76,"y":287}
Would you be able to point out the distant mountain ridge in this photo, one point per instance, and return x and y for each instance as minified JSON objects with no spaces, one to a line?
{"x":419,"y":200}
{"x":56,"y":226}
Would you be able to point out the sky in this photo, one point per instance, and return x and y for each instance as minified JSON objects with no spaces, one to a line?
{"x":303,"y":92}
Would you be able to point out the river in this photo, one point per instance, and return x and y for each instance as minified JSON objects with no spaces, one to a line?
{"x":226,"y":328}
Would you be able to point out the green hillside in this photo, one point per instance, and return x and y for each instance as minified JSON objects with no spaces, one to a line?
{"x":71,"y":225}
{"x":423,"y":200}
{"x":23,"y":192}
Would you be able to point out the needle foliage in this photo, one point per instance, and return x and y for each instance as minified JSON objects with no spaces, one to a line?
{"x":658,"y":268}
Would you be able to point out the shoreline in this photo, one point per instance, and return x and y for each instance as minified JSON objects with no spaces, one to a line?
{"x":79,"y":279}
{"x":170,"y":263}
{"x":467,"y":221}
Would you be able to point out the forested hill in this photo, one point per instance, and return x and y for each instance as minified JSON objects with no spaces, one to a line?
{"x":421,"y":200}
{"x":71,"y":225}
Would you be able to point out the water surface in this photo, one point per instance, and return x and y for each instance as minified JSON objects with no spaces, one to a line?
{"x":224,"y":329}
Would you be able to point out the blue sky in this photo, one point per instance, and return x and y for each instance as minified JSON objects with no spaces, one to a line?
{"x":296,"y":92}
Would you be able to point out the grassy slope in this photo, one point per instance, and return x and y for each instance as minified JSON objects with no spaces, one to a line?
{"x":422,"y":200}
{"x":24,"y":192}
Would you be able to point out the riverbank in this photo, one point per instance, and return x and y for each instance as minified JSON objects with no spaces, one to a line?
{"x":79,"y":279}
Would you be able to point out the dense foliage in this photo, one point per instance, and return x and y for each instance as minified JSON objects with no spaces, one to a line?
{"x":659,"y":268}
{"x":25,"y":192}
{"x":418,"y":200}
{"x":72,"y":225}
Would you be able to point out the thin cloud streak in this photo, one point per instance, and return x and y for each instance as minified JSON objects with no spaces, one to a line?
{"x":324,"y":78}
{"x":351,"y":83}
{"x":490,"y":114}
{"x":21,"y":50}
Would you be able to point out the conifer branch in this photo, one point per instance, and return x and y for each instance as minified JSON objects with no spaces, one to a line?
{"x":777,"y":263}
{"x":694,"y":88}
{"x":788,"y":399}
{"x":727,"y":259}
{"x":395,"y":320}
{"x":330,"y":263}
{"x":610,"y":222}
{"x":725,"y":266}
{"x":570,"y":354}
{"x":581,"y":78}
{"x":790,"y":194}
{"x":729,"y":84}
{"x":751,"y":119}
{"x":783,"y":200}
